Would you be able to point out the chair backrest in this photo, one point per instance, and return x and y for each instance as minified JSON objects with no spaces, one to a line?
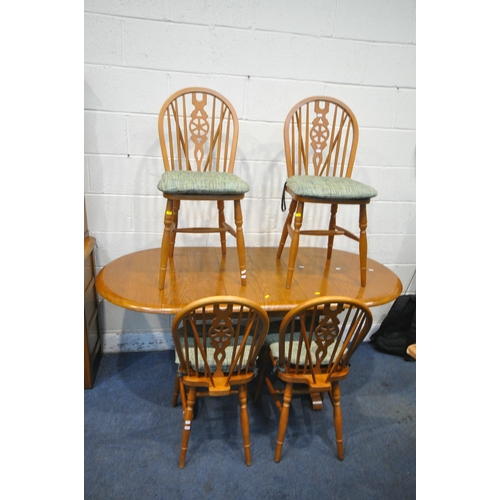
{"x":217,"y":341}
{"x":198,"y":131}
{"x":321,"y":138}
{"x":320,"y":335}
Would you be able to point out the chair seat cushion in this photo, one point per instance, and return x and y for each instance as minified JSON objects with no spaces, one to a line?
{"x":335,"y":188}
{"x":192,"y":182}
{"x":210,"y":351}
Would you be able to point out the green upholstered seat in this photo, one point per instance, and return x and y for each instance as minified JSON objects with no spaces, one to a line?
{"x":193,"y":182}
{"x":332,"y":188}
{"x":210,"y":352}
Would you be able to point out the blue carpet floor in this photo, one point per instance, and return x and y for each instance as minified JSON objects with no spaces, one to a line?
{"x":133,"y":435}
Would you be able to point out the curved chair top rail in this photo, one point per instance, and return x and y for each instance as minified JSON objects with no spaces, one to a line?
{"x":321,"y":138}
{"x":321,"y":334}
{"x":218,"y":339}
{"x":198,"y":130}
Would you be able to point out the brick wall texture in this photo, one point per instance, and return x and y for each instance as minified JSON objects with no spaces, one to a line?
{"x":264,"y":56}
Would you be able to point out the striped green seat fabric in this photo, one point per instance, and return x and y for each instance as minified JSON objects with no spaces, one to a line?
{"x":210,"y":351}
{"x":193,"y":182}
{"x":338,"y":188}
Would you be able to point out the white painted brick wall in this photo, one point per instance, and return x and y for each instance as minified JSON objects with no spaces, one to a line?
{"x":264,"y":56}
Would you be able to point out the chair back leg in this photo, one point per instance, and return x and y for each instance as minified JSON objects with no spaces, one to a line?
{"x":245,"y":426}
{"x":331,"y":227}
{"x":363,"y":245}
{"x":222,"y":222}
{"x":288,"y":222}
{"x":294,"y":246}
{"x":175,"y":395}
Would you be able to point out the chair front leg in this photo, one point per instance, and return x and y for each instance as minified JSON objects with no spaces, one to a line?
{"x":240,"y":241}
{"x":173,"y":232}
{"x":287,"y":398}
{"x":337,"y":419}
{"x":186,"y":431}
{"x":165,"y":243}
{"x":245,"y":426}
{"x":363,"y":245}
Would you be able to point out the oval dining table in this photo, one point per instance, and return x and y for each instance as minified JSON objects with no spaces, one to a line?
{"x":131,"y":281}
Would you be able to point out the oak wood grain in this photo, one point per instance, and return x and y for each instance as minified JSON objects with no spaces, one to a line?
{"x":131,"y":281}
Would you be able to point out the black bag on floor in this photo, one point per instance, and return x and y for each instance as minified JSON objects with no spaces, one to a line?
{"x":398,"y":329}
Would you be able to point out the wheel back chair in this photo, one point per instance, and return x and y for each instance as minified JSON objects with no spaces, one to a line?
{"x":321,"y":138}
{"x":217,"y":341}
{"x":198,"y":130}
{"x":311,"y":355}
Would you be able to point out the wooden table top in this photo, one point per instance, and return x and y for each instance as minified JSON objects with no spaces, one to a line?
{"x":131,"y":281}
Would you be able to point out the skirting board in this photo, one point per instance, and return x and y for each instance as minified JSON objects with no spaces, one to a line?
{"x":136,"y":342}
{"x":153,"y":341}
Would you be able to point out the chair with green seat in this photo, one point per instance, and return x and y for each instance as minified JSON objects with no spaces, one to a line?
{"x":198,"y":130}
{"x":217,"y":341}
{"x":321,"y":138}
{"x":311,"y":354}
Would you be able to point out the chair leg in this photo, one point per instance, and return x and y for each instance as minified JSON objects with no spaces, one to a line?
{"x":240,"y":241}
{"x":173,"y":232}
{"x":263,"y":364}
{"x":288,"y":222}
{"x":183,"y":397}
{"x":179,"y":389}
{"x":245,"y":426}
{"x":186,"y":431}
{"x":222,"y":220}
{"x":165,"y":243}
{"x":333,"y":224}
{"x":287,"y":397}
{"x":337,"y":419}
{"x":363,"y":245}
{"x":294,"y":247}
{"x":175,"y":396}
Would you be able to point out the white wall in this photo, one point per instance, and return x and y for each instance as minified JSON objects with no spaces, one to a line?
{"x":264,"y":55}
